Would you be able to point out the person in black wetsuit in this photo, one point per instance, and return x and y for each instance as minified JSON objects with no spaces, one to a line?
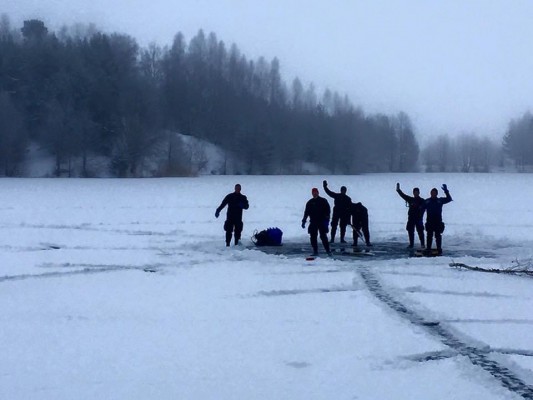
{"x":318,"y":211}
{"x":341,"y":211}
{"x":360,"y":223}
{"x":434,"y":224}
{"x":236,"y":202}
{"x":415,"y":215}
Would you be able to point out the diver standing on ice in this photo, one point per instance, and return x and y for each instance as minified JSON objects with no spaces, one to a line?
{"x":236,"y":202}
{"x":415,"y":215}
{"x":434,"y":224}
{"x":318,"y":211}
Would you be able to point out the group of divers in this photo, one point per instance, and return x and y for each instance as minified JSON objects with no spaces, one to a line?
{"x":345,"y":213}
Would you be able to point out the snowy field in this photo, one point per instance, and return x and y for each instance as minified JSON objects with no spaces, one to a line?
{"x":123,"y":289}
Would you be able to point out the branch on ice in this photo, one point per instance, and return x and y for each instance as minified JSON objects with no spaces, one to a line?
{"x":517,"y":268}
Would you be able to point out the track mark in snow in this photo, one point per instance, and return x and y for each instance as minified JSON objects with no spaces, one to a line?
{"x":477,"y":356}
{"x":432,"y":356}
{"x":441,"y":355}
{"x":86,"y":270}
{"x":40,"y":247}
{"x":514,"y":352}
{"x":298,"y":364}
{"x":491,"y":321}
{"x":100,"y":228}
{"x":50,"y":246}
{"x":419,"y":289}
{"x":306,"y":291}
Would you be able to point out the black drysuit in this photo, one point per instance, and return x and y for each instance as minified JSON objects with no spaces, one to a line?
{"x":341,"y":212}
{"x":415,"y":217}
{"x":360,"y":223}
{"x":318,"y":211}
{"x":236,"y":202}
{"x":434,"y":224}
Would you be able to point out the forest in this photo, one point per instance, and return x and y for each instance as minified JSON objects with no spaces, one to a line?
{"x":83,"y":95}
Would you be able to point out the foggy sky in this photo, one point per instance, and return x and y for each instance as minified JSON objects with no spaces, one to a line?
{"x":454,"y":66}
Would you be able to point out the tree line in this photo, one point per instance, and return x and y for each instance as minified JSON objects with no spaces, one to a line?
{"x":518,"y":141}
{"x":469,"y":152}
{"x":82,"y":94}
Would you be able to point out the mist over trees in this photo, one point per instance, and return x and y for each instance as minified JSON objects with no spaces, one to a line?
{"x":84,"y":95}
{"x":467,"y":152}
{"x":518,"y":142}
{"x":472,"y":153}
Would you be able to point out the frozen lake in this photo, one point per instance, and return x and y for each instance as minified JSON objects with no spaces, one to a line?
{"x":124,"y":289}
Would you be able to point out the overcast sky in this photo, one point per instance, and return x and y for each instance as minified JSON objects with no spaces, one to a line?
{"x":453,"y":65}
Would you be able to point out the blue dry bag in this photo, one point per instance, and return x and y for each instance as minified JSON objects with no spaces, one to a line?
{"x":268,"y":237}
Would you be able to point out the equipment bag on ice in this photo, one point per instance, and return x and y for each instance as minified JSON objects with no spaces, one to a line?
{"x":268,"y":237}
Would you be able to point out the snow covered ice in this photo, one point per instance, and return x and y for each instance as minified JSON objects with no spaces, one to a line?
{"x":124,"y":289}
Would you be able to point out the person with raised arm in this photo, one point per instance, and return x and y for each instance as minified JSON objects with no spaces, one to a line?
{"x":341,"y":211}
{"x":434,"y":224}
{"x":415,"y":215}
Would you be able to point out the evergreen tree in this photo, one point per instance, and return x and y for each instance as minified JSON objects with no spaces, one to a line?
{"x":13,"y":139}
{"x":518,"y":141}
{"x":82,"y":93}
